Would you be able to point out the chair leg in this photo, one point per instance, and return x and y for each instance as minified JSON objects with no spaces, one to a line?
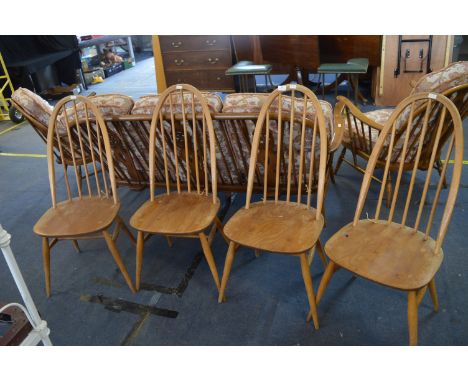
{"x":76,"y":246}
{"x":139,"y":258}
{"x":118,"y":259}
{"x":413,"y":317}
{"x":330,"y":167}
{"x":46,"y":263}
{"x":126,"y":230}
{"x":209,"y":258}
{"x":325,"y":280}
{"x":309,"y":288}
{"x":439,"y":166}
{"x":227,"y":269}
{"x":389,"y":189}
{"x":322,"y":255}
{"x":340,"y":160}
{"x":170,"y":243}
{"x":433,"y":292}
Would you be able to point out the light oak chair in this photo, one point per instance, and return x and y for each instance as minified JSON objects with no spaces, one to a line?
{"x":285,"y":226}
{"x":360,"y":132}
{"x":88,"y":210}
{"x":397,"y":250}
{"x":181,"y":119}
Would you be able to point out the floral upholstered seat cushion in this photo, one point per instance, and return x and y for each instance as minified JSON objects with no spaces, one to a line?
{"x":146,"y":104}
{"x":441,"y":80}
{"x":36,"y":106}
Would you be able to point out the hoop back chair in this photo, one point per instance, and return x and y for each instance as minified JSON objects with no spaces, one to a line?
{"x":181,"y":119}
{"x":397,"y":250}
{"x":88,"y":208}
{"x":283,"y":226}
{"x":363,"y":133}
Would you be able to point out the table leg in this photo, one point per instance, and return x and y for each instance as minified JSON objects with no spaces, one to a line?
{"x":336,"y":85}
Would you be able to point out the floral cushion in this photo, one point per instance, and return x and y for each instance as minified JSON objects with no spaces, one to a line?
{"x":236,"y":155}
{"x":146,"y":104}
{"x":110,"y":105}
{"x":253,"y":102}
{"x":441,"y":80}
{"x":33,"y":104}
{"x":380,"y":116}
{"x":361,"y":139}
{"x":244,"y":102}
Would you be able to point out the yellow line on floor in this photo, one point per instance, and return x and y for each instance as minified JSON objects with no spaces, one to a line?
{"x":23,"y":155}
{"x":12,"y":127}
{"x":451,"y":161}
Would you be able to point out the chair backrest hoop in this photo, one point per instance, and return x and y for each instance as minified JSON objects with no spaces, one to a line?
{"x":101,"y":129}
{"x":157,"y":123}
{"x":264,"y":120}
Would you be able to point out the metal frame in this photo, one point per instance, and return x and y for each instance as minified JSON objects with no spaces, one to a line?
{"x":40,"y":332}
{"x":4,"y":107}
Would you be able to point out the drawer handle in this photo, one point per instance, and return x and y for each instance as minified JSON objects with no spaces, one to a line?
{"x":176,"y":44}
{"x":179,"y":62}
{"x":213,"y":61}
{"x":212,"y":42}
{"x":218,"y":78}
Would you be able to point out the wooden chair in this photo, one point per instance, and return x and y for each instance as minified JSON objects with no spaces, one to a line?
{"x":283,"y":226}
{"x":363,"y":130}
{"x":87,"y":211}
{"x":402,"y":254}
{"x":190,"y":166}
{"x":41,"y":129}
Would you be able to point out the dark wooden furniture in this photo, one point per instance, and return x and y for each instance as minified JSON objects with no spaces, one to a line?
{"x":287,"y":223}
{"x":88,"y":210}
{"x":18,"y":326}
{"x":197,"y":60}
{"x":300,"y":55}
{"x":394,"y":248}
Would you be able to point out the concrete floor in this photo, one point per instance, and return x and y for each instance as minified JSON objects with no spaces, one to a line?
{"x":266,"y":300}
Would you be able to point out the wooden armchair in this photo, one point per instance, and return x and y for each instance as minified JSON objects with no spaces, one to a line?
{"x":87,"y":211}
{"x":182,"y":152}
{"x":360,"y":131}
{"x":397,"y":250}
{"x":288,"y":150}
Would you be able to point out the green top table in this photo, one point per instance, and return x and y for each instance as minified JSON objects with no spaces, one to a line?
{"x":352,"y":67}
{"x":248,"y":68}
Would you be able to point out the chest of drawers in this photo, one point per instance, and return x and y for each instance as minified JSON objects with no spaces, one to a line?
{"x":196,"y":60}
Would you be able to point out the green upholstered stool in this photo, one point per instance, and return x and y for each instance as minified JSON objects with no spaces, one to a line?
{"x":247,"y":70}
{"x":352,"y":68}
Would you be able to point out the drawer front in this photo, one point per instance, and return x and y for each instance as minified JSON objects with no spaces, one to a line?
{"x":201,"y":79}
{"x":188,"y":43}
{"x":197,"y":60}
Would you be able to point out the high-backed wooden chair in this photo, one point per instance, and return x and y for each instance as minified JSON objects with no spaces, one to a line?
{"x":397,"y":250}
{"x":290,"y":226}
{"x":182,"y":119}
{"x":91,"y":207}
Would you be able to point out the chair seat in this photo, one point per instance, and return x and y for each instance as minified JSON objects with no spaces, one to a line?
{"x":281,"y":227}
{"x":388,"y":254}
{"x":77,"y":217}
{"x":177,"y":214}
